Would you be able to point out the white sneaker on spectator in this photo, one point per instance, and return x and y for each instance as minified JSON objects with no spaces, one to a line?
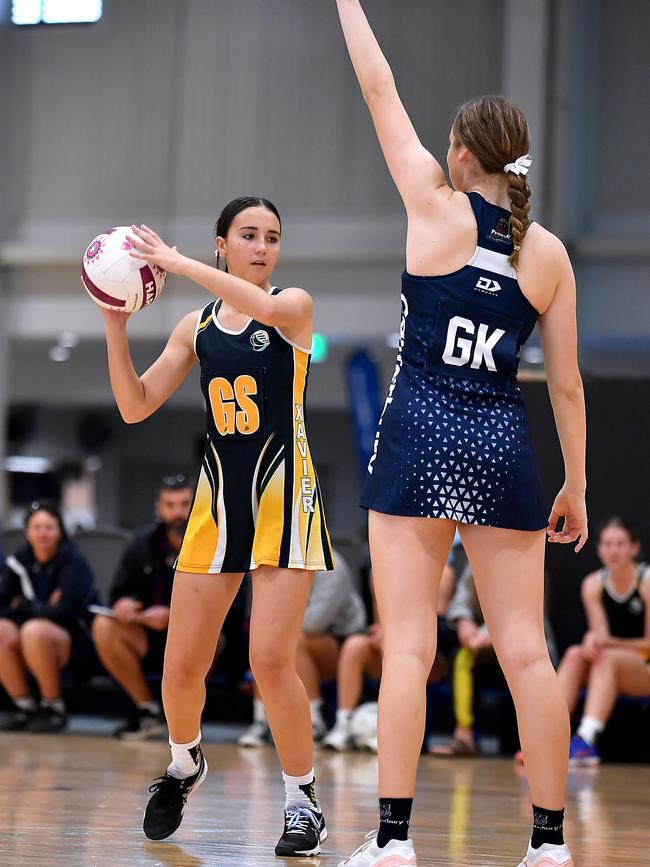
{"x":368,"y":744}
{"x":338,"y":739}
{"x":256,"y":735}
{"x":396,"y":853}
{"x":318,"y":727}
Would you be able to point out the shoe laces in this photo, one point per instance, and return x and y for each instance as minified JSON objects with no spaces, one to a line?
{"x":370,"y":838}
{"x":169,"y":788}
{"x":299,"y":819}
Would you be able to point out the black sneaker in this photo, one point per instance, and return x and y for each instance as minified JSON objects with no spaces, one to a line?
{"x":142,"y":725}
{"x":304,"y":831}
{"x":18,"y":719}
{"x":164,"y":811}
{"x":47,"y":720}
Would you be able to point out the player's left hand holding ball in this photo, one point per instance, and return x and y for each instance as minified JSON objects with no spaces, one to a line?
{"x":150,"y":247}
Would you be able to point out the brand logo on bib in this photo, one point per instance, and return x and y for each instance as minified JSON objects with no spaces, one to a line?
{"x":486,"y":285}
{"x":260,"y":340}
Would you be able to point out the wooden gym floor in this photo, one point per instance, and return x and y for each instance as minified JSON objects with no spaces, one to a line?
{"x":77,"y":800}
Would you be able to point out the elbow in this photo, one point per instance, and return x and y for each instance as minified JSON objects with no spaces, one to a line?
{"x":570,"y":389}
{"x":131,"y":416}
{"x":376,"y":90}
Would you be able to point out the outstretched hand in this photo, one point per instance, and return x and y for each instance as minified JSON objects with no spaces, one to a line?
{"x":150,"y":247}
{"x":573,"y":509}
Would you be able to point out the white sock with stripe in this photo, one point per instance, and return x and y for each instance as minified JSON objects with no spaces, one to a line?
{"x":300,"y":790}
{"x":184,"y":764}
{"x":589,"y":729}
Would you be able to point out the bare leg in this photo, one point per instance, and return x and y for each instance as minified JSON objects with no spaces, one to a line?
{"x":46,"y":649}
{"x":121,"y":648}
{"x":408,"y":556}
{"x":279,"y":602}
{"x":615,"y":672}
{"x":508,"y":568}
{"x":573,"y":673}
{"x":12,"y":664}
{"x":358,"y":657}
{"x":198,"y":608}
{"x":317,"y":659}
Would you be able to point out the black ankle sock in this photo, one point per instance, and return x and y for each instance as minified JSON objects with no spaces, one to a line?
{"x":394,"y":818}
{"x":548,"y":827}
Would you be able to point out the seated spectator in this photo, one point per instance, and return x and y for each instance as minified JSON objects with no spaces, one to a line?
{"x":361,"y":656}
{"x":465,"y":616}
{"x":613,"y":657}
{"x":334,"y":612}
{"x":45,"y":589}
{"x":132,"y":641}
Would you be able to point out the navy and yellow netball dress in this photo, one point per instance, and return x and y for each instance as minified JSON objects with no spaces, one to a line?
{"x":453,"y":440}
{"x":257,"y":499}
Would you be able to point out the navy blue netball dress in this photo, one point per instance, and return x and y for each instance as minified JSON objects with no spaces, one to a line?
{"x":453,"y":440}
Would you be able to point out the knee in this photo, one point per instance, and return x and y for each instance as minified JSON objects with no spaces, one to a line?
{"x":609,"y":658}
{"x":9,"y":636}
{"x":519,"y":657}
{"x":573,"y":656}
{"x":355,"y":647}
{"x":104,"y":631}
{"x":420,"y":649}
{"x":180,"y":672}
{"x":37,"y":632}
{"x":269,"y":662}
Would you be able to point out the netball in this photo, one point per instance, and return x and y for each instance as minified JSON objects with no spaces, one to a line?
{"x":114,"y":279}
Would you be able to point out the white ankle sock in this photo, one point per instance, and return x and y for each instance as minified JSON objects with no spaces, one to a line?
{"x":343,"y":718}
{"x":293,"y":792}
{"x":25,"y":702}
{"x":259,"y":711}
{"x":183,"y":763}
{"x":54,"y":703}
{"x":315,"y":706}
{"x":152,"y":706}
{"x":589,"y":729}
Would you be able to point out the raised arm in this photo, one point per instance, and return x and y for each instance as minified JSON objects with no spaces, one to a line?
{"x":291,"y":309}
{"x":558,"y":333}
{"x":137,"y":397}
{"x":415,"y":171}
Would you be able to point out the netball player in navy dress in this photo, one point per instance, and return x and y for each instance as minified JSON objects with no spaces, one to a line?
{"x":257,"y":505}
{"x":453,"y":447}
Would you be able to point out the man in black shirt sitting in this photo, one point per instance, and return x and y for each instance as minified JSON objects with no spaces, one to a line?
{"x":132,"y":641}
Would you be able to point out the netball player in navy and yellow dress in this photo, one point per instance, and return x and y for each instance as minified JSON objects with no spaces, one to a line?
{"x":453,"y":447}
{"x":257,"y":505}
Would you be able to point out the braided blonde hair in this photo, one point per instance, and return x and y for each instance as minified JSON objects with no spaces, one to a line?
{"x":495,"y":130}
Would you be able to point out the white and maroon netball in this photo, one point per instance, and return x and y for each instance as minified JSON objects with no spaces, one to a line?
{"x":114,"y":279}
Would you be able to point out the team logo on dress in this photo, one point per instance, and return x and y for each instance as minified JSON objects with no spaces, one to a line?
{"x":501,"y":231}
{"x":635,"y":605}
{"x":260,"y":340}
{"x":486,"y":285}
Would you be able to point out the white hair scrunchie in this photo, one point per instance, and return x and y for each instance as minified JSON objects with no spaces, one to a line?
{"x":520,"y":166}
